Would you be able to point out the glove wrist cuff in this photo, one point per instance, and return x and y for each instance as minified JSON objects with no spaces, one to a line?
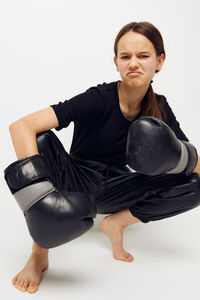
{"x":26,"y":171}
{"x":31,"y":194}
{"x":192,"y":158}
{"x":183,"y":162}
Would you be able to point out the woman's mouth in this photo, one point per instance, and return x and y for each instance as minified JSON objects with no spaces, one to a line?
{"x":134,"y":73}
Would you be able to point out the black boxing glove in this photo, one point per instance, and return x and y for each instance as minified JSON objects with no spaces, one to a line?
{"x":153,"y":148}
{"x":53,"y":216}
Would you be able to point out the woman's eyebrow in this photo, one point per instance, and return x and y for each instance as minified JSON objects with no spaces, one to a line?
{"x":141,"y":52}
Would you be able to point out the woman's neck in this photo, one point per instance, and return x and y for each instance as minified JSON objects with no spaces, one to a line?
{"x":131,"y":98}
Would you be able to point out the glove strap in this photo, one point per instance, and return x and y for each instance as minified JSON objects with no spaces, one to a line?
{"x":31,"y":194}
{"x":26,"y":171}
{"x":188,"y":160}
{"x":183,"y":162}
{"x":192,"y":159}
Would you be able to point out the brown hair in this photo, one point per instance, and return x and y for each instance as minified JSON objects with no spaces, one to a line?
{"x":150,"y":106}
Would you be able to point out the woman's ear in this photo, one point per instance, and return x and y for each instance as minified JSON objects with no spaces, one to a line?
{"x":160,"y":61}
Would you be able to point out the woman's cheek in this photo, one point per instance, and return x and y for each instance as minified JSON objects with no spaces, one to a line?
{"x":149,"y":67}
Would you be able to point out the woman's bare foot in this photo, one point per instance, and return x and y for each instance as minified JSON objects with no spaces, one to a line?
{"x":113,"y":226}
{"x":30,"y":276}
{"x":110,"y":227}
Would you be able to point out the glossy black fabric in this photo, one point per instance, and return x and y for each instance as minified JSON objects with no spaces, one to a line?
{"x":149,"y":198}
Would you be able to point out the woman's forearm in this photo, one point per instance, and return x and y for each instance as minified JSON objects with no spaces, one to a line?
{"x":197,"y":168}
{"x":24,"y":139}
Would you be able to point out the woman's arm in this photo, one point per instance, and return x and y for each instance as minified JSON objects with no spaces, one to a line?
{"x":23,"y":131}
{"x":197,"y":169}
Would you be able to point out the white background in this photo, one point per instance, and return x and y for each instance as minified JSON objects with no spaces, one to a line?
{"x":50,"y":51}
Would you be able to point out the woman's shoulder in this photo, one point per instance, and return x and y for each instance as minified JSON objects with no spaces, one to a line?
{"x":103,"y":87}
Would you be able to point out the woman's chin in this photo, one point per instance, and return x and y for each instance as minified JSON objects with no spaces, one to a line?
{"x":135,"y":83}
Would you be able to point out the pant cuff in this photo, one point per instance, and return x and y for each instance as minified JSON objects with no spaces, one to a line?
{"x":138,"y":216}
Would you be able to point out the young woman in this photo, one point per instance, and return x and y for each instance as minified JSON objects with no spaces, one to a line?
{"x":97,"y":162}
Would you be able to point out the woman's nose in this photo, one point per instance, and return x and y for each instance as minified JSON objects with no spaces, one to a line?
{"x":133,"y":61}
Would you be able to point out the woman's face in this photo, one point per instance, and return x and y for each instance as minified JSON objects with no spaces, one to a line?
{"x":137,"y":54}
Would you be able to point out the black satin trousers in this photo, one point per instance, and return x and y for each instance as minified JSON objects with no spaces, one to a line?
{"x":148,"y":198}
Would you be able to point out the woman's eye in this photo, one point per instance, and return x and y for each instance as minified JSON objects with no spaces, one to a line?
{"x":143,"y":56}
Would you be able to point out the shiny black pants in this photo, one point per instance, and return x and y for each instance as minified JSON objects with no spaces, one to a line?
{"x":149,"y":198}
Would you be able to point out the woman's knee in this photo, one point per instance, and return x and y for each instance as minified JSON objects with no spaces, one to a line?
{"x":52,"y":151}
{"x":47,"y":140}
{"x":194,"y":190}
{"x":195,"y":178}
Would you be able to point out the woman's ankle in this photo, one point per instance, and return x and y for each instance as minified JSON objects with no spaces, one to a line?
{"x":124,"y":218}
{"x":37,"y":249}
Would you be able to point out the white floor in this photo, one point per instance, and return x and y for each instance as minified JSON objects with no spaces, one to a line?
{"x":166,"y":266}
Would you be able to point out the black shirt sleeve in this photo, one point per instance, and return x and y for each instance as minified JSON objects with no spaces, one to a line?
{"x":82,"y":107}
{"x":172,"y":122}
